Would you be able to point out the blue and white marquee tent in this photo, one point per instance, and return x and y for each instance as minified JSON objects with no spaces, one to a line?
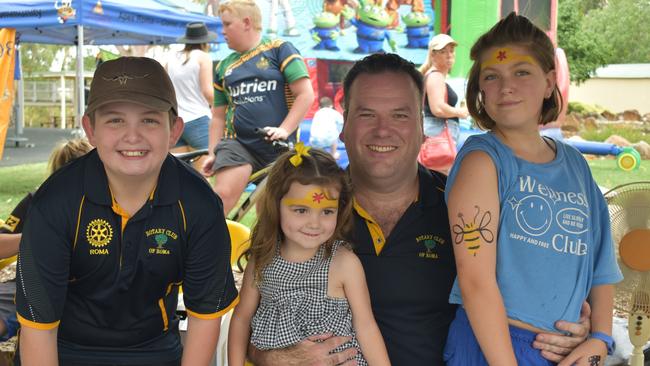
{"x":98,"y":22}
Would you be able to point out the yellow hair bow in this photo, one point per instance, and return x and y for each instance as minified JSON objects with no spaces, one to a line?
{"x":301,"y":150}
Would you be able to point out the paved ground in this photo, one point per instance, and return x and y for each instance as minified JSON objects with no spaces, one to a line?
{"x":37,"y":148}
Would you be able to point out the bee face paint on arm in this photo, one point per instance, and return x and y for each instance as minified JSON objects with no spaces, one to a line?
{"x":506,"y":55}
{"x":472,"y":233}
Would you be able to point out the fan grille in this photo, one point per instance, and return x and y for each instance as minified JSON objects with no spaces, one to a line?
{"x":629,"y":210}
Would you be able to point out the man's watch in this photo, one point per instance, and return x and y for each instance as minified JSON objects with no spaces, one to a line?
{"x":608,"y":340}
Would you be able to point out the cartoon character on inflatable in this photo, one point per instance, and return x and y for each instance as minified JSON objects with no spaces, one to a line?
{"x":326,"y":31}
{"x":372,"y":22}
{"x":417,"y":29}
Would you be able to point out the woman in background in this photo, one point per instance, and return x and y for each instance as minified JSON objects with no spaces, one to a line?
{"x":191,"y":73}
{"x":440,"y":99}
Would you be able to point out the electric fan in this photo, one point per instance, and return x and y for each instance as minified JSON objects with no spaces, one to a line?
{"x":629,"y":210}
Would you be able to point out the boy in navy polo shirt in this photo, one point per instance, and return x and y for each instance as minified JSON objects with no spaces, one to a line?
{"x":110,"y":238}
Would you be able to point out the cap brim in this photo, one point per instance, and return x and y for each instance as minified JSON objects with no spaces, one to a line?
{"x":445,"y":45}
{"x":145,"y":100}
{"x":211,"y":37}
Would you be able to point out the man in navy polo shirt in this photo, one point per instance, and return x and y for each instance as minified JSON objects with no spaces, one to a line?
{"x":110,"y":238}
{"x":401,"y":232}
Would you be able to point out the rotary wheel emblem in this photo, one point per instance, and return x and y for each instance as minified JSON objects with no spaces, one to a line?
{"x":99,"y":233}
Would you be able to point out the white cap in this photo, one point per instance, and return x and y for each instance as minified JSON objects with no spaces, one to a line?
{"x":439,"y":41}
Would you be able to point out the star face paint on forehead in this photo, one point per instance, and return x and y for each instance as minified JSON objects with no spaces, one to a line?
{"x":506,"y":55}
{"x":316,"y":198}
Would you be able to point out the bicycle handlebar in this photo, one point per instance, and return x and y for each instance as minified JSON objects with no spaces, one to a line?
{"x":288,"y":145}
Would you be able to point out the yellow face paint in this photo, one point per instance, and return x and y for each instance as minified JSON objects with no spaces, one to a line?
{"x":316,"y":198}
{"x":506,"y":55}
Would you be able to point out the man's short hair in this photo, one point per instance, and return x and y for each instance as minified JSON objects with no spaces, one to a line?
{"x":382,"y":62}
{"x":242,"y":9}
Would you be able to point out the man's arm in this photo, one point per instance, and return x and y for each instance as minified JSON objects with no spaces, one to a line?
{"x":215,"y":134}
{"x":38,"y":347}
{"x":556,"y":347}
{"x":602,"y":299}
{"x":201,"y":341}
{"x":314,"y":351}
{"x":304,"y":97}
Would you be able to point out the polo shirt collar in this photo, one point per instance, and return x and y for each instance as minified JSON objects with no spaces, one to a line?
{"x":167,"y":190}
{"x":429,"y":197}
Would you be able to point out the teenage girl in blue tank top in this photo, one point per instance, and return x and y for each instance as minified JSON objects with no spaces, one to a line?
{"x":531,"y":229}
{"x":302,"y":280}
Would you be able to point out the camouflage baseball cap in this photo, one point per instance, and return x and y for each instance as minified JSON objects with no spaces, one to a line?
{"x":139,"y":80}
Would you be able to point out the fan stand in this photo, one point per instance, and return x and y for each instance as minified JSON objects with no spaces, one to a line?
{"x":633,"y":250}
{"x":639,"y":332}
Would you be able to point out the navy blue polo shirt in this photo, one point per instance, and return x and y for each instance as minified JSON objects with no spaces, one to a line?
{"x":110,"y":282}
{"x":410,"y":274}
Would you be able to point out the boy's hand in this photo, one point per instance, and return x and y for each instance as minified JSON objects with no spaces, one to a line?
{"x":206,"y":169}
{"x":276,"y":133}
{"x":591,"y":353}
{"x":556,"y":347}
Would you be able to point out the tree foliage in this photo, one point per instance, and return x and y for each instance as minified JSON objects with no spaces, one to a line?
{"x":585,"y":52}
{"x":595,"y":33}
{"x":622,"y":25}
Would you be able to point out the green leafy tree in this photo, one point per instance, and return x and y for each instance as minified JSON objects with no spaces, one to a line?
{"x":623,"y":26}
{"x":37,"y":57}
{"x":585,"y":51}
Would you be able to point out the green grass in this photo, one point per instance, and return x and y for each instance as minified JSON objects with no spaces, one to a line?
{"x":16,"y":181}
{"x":608,"y":175}
{"x":633,"y":135}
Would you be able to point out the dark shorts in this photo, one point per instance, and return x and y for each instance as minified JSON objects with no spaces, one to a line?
{"x":462,"y":348}
{"x":230,"y":152}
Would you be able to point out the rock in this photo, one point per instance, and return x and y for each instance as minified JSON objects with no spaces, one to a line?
{"x":643,"y":148}
{"x":608,"y":115}
{"x":631,"y":115}
{"x":618,"y":141}
{"x":571,"y":123}
{"x":590,"y":123}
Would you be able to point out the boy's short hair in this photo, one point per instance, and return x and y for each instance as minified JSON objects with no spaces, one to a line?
{"x":325,"y":102}
{"x":242,"y":9}
{"x":140,"y":80}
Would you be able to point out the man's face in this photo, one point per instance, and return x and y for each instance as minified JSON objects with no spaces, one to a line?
{"x":234,"y":30}
{"x":383,"y":126}
{"x":132,"y":140}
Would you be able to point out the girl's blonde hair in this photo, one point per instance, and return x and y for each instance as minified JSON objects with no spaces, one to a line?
{"x":319,"y":168}
{"x":518,"y":30}
{"x":66,"y":151}
{"x":242,"y":9}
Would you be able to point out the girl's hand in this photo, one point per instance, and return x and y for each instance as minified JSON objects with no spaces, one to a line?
{"x":591,"y":353}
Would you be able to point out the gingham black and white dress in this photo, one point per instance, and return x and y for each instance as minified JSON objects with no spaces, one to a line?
{"x":294,"y":304}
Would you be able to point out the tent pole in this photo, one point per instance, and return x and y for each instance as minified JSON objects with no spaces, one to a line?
{"x":80,"y":76}
{"x":20,"y":118}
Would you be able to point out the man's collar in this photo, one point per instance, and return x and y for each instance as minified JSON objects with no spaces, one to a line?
{"x":428,"y":196}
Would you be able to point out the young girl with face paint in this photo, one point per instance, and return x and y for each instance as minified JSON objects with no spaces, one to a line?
{"x":302,"y":281}
{"x":530,"y":227}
